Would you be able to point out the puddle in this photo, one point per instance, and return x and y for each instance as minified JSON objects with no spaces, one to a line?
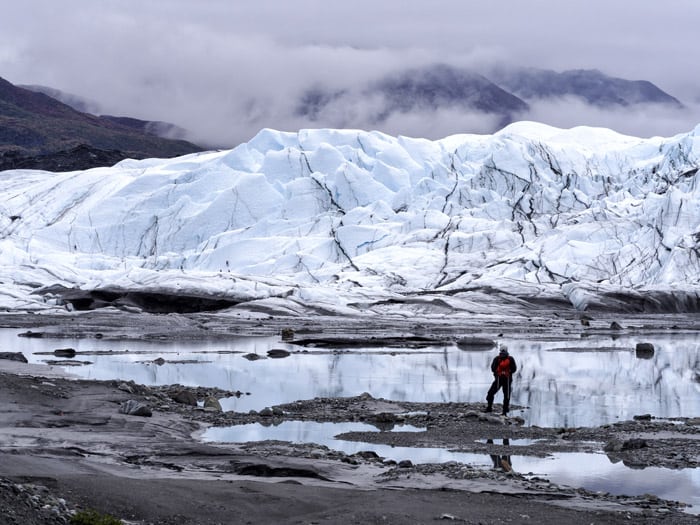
{"x":560,"y":387}
{"x":594,"y":472}
{"x":324,"y":434}
{"x":295,"y":432}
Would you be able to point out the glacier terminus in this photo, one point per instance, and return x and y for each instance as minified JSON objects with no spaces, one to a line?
{"x":350,"y":221}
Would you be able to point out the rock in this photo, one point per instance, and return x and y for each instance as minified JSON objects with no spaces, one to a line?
{"x":277,"y":411}
{"x":13,"y":356}
{"x":31,"y":334}
{"x":475,"y":344}
{"x":644,"y":350}
{"x":135,"y":408}
{"x":614,"y":445}
{"x":642,"y":417}
{"x":253,"y":357}
{"x":634,"y":444}
{"x":488,"y":418}
{"x":211,"y":403}
{"x":277,"y":353}
{"x":365,"y":396}
{"x":405,"y":463}
{"x":159,"y":361}
{"x":367,"y":454}
{"x":287,"y":334}
{"x":125,"y":387}
{"x":266,"y":412}
{"x":184,"y":397}
{"x":67,"y":362}
{"x":615,"y":326}
{"x":64,"y":352}
{"x":385,"y":417}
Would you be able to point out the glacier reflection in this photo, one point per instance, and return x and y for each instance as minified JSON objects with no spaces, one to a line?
{"x":562,"y":383}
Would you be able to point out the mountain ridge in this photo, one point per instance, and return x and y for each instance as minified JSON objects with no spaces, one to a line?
{"x":33,"y":126}
{"x":505,"y":93}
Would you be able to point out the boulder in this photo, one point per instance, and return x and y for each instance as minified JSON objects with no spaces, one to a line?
{"x":644,"y":350}
{"x":13,"y":356}
{"x":64,"y":352}
{"x":615,"y":326}
{"x":135,"y":408}
{"x":475,"y":344}
{"x":277,"y":353}
{"x":211,"y":403}
{"x":159,"y":361}
{"x":126,"y":387}
{"x":634,"y":444}
{"x":184,"y":397}
{"x":614,"y":445}
{"x":253,"y":357}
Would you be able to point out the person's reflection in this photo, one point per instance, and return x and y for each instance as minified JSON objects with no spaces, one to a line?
{"x":501,"y":461}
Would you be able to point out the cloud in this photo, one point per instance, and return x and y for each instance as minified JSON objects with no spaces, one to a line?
{"x":223,"y":69}
{"x":644,"y":120}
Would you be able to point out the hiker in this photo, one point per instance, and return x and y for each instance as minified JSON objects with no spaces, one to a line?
{"x":503,"y":367}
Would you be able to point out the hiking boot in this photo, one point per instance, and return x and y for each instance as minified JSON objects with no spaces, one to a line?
{"x":488,"y":409}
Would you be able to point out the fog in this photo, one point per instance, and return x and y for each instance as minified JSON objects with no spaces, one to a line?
{"x":223,"y":70}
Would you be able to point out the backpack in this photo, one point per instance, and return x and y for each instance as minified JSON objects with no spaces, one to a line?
{"x":503,"y":367}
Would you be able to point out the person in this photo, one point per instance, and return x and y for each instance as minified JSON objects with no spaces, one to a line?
{"x":503,"y":367}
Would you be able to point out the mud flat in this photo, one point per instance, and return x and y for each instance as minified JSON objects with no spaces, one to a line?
{"x":68,"y":444}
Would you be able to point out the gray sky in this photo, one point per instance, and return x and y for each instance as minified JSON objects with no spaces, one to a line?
{"x":224,"y":68}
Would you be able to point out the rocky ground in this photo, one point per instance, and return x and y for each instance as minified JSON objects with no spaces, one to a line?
{"x":133,"y":451}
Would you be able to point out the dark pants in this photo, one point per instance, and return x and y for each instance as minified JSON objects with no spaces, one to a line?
{"x":498,"y":383}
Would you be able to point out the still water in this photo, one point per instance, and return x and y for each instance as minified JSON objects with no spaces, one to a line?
{"x":594,"y":472}
{"x":561,"y":383}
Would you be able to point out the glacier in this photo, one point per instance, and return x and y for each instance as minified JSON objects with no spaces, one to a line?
{"x":355,"y":222}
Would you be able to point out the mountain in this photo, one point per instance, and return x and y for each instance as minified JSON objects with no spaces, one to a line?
{"x":83,"y":105}
{"x":78,"y":103}
{"x":590,"y":85}
{"x":363,"y":223}
{"x":36,"y":129}
{"x":420,"y":89}
{"x":503,"y":93}
{"x":441,"y":85}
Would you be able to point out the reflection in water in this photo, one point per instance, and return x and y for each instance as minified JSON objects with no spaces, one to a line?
{"x":501,"y":462}
{"x":558,"y":386}
{"x":591,"y":471}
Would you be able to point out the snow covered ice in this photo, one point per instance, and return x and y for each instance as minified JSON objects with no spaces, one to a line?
{"x":345,"y":219}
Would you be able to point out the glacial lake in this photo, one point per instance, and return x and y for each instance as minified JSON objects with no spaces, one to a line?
{"x":567,"y":383}
{"x":582,"y":382}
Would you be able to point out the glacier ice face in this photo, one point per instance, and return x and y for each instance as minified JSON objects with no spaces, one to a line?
{"x":341,"y":216}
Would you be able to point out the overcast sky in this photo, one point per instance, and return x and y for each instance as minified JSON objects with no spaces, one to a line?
{"x":223,"y":69}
